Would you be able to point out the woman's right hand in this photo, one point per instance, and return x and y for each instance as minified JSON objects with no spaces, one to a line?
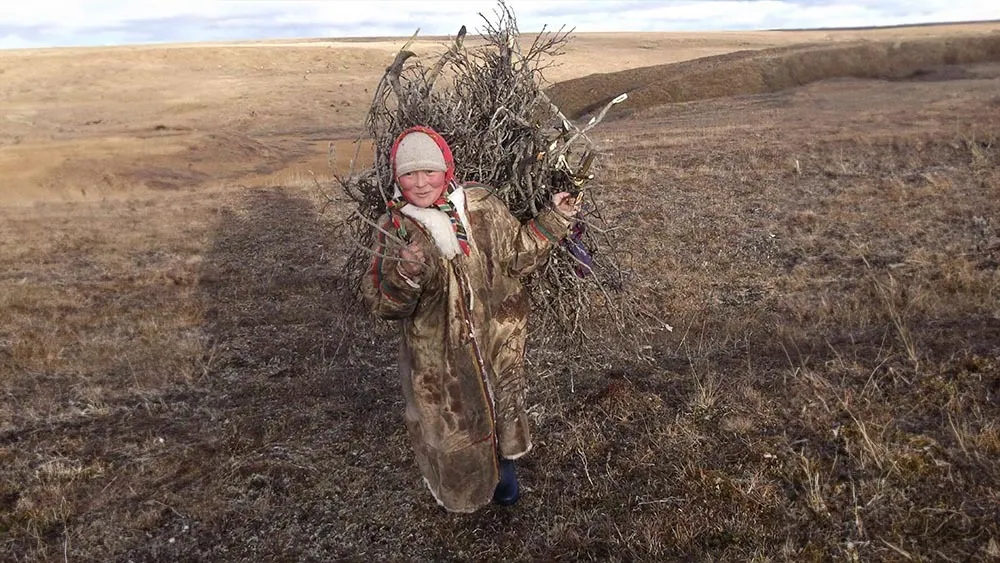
{"x":412,"y":263}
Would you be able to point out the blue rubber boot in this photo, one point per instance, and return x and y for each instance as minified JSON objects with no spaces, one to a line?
{"x":507,"y":491}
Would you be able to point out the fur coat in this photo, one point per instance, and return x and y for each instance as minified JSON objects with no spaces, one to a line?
{"x":461,"y":359}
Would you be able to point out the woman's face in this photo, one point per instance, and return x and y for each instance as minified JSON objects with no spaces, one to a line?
{"x":422,"y":187}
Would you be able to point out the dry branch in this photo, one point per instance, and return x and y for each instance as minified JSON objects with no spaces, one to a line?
{"x":506,"y":133}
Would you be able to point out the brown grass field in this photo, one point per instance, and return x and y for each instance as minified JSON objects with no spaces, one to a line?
{"x":816,"y":213}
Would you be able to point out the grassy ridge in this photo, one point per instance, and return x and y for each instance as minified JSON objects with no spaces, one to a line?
{"x":769,"y":70}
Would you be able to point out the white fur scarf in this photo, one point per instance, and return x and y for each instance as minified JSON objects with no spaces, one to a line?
{"x":438,"y":224}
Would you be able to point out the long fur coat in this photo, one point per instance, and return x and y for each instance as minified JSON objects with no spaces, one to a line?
{"x":461,"y":358}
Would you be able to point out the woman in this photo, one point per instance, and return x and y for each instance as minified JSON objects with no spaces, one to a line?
{"x":455,"y":285}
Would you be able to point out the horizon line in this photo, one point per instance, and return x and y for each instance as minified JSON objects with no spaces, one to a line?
{"x":414,"y":36}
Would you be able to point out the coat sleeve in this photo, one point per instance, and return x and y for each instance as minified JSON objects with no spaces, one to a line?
{"x":534,"y":240}
{"x":388,"y":293}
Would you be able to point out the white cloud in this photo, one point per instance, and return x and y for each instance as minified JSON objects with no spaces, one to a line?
{"x":65,"y":22}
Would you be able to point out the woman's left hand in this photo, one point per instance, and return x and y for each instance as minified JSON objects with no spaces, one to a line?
{"x":565,"y":204}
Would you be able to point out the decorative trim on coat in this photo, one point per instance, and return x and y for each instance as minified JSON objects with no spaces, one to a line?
{"x":436,"y":498}
{"x":394,"y":294}
{"x":522,"y":454}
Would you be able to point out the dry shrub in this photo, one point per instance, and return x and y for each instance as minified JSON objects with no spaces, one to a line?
{"x":488,"y":103}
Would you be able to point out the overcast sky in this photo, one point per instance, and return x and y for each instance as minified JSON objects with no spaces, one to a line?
{"x":50,"y":23}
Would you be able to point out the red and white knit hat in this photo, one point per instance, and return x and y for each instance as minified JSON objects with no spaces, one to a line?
{"x":418,"y":151}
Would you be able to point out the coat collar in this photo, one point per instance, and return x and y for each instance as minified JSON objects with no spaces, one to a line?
{"x":438,"y":224}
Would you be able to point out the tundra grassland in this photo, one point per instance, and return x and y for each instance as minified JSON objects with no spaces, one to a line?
{"x":184,"y":374}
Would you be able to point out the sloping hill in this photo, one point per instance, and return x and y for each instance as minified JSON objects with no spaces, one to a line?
{"x":769,"y":70}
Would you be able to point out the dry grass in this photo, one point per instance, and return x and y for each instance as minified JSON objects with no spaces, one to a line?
{"x":183,"y":380}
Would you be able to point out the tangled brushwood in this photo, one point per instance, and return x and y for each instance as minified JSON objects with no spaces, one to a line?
{"x":487,"y":102}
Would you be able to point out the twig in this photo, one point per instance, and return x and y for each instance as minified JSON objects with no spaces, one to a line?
{"x":375,"y":225}
{"x":593,"y":121}
{"x":364,"y":248}
{"x":455,"y":48}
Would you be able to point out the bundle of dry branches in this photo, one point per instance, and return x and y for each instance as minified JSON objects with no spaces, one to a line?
{"x":506,"y":133}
